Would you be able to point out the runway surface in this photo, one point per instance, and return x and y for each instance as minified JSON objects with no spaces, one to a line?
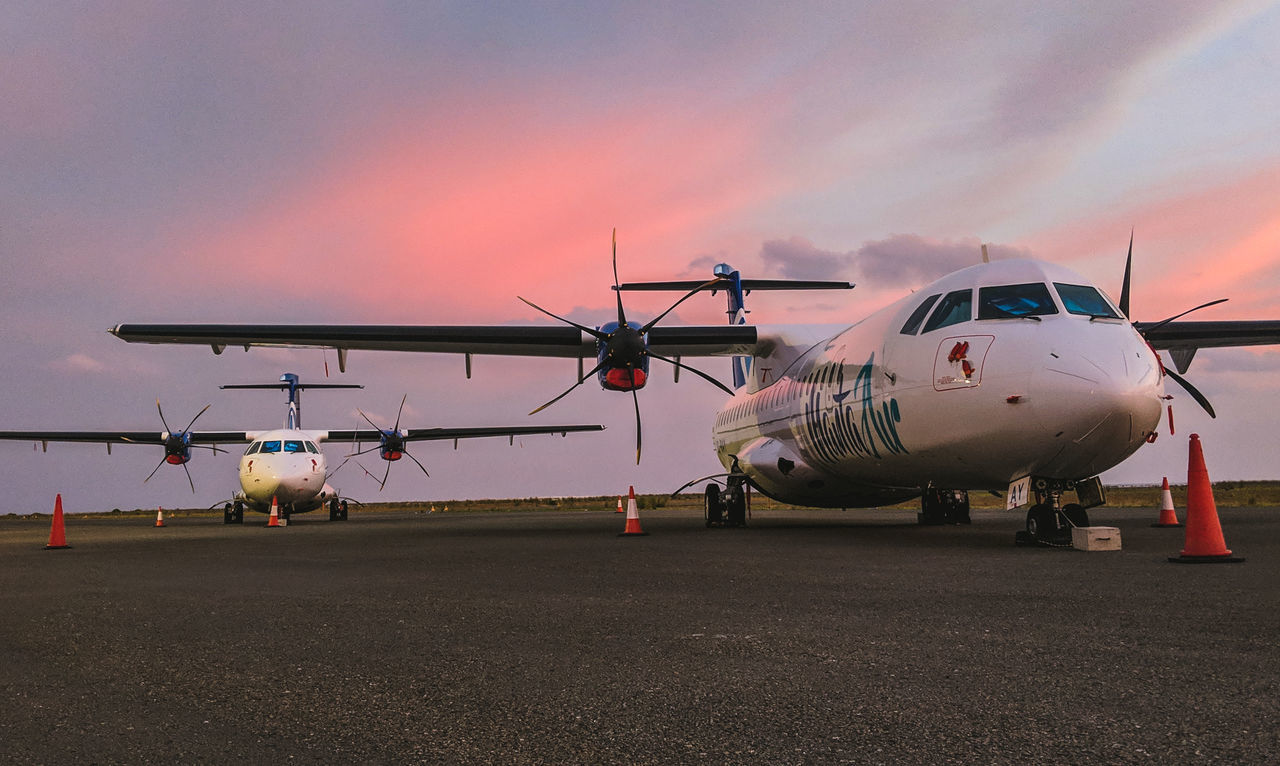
{"x":811,"y":637}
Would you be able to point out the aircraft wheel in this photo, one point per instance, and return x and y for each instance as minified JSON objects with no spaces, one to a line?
{"x":1041,"y":523}
{"x":714,"y":507}
{"x":1076,"y":514}
{"x":736,"y":507}
{"x":335,"y":510}
{"x":233,"y":513}
{"x":343,"y":506}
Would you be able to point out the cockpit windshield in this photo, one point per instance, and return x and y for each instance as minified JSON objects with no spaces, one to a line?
{"x":956,"y":307}
{"x":1085,"y":301}
{"x":271,"y":446}
{"x":1015,"y":301}
{"x":293,"y":445}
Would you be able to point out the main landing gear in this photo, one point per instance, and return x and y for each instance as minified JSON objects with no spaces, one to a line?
{"x":943,"y":506}
{"x":233,"y":513}
{"x":728,"y":507}
{"x":337,"y":510}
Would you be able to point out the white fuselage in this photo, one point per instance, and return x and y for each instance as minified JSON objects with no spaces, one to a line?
{"x":287,"y":465}
{"x":869,"y":414}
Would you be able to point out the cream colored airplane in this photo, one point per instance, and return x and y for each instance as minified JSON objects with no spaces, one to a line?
{"x":285,"y":465}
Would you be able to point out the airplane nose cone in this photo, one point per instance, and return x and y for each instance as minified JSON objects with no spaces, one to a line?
{"x":1098,"y":405}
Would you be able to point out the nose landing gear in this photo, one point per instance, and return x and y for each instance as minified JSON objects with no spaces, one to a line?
{"x":728,"y":507}
{"x":1049,"y":522}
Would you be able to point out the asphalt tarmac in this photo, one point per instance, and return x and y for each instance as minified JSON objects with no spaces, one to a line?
{"x":810,"y":637}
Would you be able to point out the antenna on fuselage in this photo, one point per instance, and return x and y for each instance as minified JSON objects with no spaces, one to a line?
{"x":290,"y":382}
{"x":985,"y":258}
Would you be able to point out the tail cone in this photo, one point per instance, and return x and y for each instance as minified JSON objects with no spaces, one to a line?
{"x":58,"y":532}
{"x":1168,"y":516}
{"x":633,"y":517}
{"x":1204,"y":543}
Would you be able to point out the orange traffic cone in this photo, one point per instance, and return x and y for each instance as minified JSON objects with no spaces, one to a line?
{"x":1204,"y":543}
{"x":160,"y":517}
{"x":619,"y":505}
{"x":633,"y":517}
{"x":274,"y":520}
{"x":1168,"y":516}
{"x":58,"y":532}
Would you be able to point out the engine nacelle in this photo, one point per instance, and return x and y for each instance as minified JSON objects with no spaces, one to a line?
{"x":617,"y":375}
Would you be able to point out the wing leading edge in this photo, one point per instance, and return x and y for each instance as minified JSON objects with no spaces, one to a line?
{"x":438,"y":434}
{"x":126,"y":437}
{"x":529,"y":340}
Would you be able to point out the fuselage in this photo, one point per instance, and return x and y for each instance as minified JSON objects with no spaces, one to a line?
{"x":993,"y":373}
{"x":287,"y":465}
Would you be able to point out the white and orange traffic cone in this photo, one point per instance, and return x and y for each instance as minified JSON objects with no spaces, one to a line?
{"x":274,"y":520}
{"x":1203,"y":543}
{"x":1168,"y":516}
{"x":160,"y":517}
{"x":619,"y":505}
{"x":633,"y":517}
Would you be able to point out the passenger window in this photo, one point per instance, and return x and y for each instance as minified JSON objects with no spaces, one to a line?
{"x":273,"y":446}
{"x":1008,"y":301}
{"x":917,"y":316}
{"x":1085,"y":301}
{"x":955,"y":308}
{"x":293,"y":445}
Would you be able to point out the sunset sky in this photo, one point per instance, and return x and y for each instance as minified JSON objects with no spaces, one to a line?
{"x":425,"y":163}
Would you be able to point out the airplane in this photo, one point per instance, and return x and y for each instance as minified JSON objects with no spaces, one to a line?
{"x":285,"y":465}
{"x":1017,"y":377}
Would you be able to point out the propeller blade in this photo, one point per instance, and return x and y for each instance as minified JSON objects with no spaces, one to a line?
{"x":1164,"y":322}
{"x":385,"y":474}
{"x":420,"y":465}
{"x":1124,"y":287}
{"x":396,"y":427}
{"x":1195,"y":392}
{"x":636,"y":400}
{"x":370,"y":422}
{"x":588,"y":330}
{"x":153,"y":471}
{"x":695,"y":371}
{"x":686,"y":297}
{"x":163,"y":422}
{"x":622,"y":316}
{"x":193,"y":420}
{"x":566,"y":392}
{"x":364,"y":451}
{"x":189,"y":480}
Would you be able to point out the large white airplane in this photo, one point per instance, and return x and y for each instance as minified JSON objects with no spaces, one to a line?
{"x":285,"y":465}
{"x":1014,"y":376}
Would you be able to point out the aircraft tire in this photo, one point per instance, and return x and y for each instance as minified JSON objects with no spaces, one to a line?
{"x":335,"y":510}
{"x":233,"y":513}
{"x":736,"y":507}
{"x":713,"y":507}
{"x":1076,"y":514}
{"x":1041,"y":522}
{"x":343,"y":506}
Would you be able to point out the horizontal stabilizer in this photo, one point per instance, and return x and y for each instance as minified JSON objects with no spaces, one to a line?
{"x":747,"y":285}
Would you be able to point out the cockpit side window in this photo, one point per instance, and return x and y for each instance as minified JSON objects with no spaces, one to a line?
{"x":293,"y":445}
{"x":311,"y":447}
{"x":272,"y":446}
{"x":917,"y":316}
{"x":1085,"y":301}
{"x":1011,"y":301}
{"x":955,"y":308}
{"x":253,"y":448}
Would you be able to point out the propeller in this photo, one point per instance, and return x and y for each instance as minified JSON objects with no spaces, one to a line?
{"x":390,"y":446}
{"x":177,"y":445}
{"x":1195,"y":393}
{"x":626,"y":347}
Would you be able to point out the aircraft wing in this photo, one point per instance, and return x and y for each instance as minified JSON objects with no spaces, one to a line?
{"x":125,"y":437}
{"x":436,"y":434}
{"x":508,"y":340}
{"x":1195,"y":335}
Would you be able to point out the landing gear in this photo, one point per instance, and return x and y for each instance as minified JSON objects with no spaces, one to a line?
{"x":727,"y":507}
{"x":1050,"y":523}
{"x":233,"y":513}
{"x":714,"y":507}
{"x":943,"y":506}
{"x":337,"y":510}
